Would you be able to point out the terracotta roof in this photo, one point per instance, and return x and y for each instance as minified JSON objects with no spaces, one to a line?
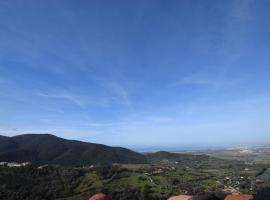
{"x":203,"y":197}
{"x":181,"y":197}
{"x":239,"y":197}
{"x":100,"y":196}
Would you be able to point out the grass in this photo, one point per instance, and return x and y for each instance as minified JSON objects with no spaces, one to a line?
{"x":132,"y":180}
{"x":134,"y":166}
{"x":89,"y":182}
{"x":182,"y":180}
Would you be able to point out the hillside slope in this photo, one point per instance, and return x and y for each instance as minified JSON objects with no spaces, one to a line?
{"x":49,"y":149}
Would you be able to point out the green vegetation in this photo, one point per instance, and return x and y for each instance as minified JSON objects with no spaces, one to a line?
{"x":87,"y":168}
{"x":161,"y":178}
{"x":37,"y":149}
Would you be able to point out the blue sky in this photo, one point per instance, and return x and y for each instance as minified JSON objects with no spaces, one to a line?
{"x":137,"y":73}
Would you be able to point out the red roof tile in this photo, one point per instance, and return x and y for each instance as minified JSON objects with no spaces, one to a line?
{"x":203,"y":197}
{"x":181,"y":197}
{"x":100,"y":196}
{"x":239,"y":197}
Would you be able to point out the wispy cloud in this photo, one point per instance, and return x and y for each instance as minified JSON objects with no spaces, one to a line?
{"x":79,"y":100}
{"x":116,"y":91}
{"x":64,"y":95}
{"x":120,"y":93}
{"x":93,"y":124}
{"x":200,"y":80}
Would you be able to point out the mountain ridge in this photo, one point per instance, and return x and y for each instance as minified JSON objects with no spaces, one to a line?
{"x":50,"y":149}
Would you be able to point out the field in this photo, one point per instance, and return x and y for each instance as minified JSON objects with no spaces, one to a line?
{"x":252,"y":155}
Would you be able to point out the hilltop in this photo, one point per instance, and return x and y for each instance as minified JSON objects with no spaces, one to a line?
{"x":49,"y":149}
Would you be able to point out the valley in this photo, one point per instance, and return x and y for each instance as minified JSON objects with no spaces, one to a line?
{"x":164,"y":175}
{"x":44,"y":166}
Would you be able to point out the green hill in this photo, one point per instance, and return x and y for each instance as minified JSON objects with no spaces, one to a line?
{"x":49,"y":149}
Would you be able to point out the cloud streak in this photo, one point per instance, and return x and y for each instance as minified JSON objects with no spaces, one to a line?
{"x":64,"y":95}
{"x":81,"y":101}
{"x":117,"y":92}
{"x":200,"y":80}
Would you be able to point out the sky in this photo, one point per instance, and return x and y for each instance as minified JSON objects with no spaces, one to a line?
{"x":155,"y":73}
